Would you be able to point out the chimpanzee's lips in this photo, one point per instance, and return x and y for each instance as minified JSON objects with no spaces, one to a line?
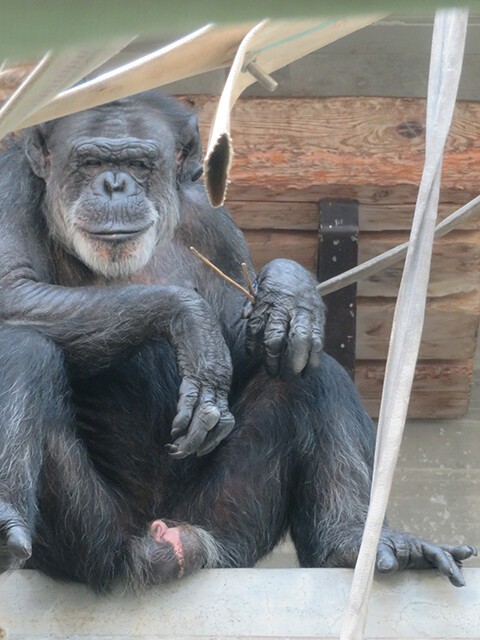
{"x":122,"y":234}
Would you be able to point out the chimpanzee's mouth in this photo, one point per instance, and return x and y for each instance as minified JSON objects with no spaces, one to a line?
{"x":116,"y":234}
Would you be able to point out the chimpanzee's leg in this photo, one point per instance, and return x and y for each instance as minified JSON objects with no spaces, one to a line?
{"x":99,"y":476}
{"x":331,"y":496}
{"x":240,"y":493}
{"x":301,"y":456}
{"x":31,"y":403}
{"x":49,"y":491}
{"x":337,"y":447}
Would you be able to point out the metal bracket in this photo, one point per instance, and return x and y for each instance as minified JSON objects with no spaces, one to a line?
{"x":338,"y":252}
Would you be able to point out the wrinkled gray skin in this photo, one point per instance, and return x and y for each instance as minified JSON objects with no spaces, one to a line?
{"x":135,"y":384}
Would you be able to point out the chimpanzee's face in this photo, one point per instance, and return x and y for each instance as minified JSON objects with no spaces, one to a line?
{"x":111,"y":185}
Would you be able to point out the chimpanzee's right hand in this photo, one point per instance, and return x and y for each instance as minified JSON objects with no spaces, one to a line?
{"x":203,"y":418}
{"x":286,"y":321}
{"x":15,"y":538}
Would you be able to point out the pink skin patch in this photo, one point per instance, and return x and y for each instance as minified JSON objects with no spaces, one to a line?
{"x":161,"y":533}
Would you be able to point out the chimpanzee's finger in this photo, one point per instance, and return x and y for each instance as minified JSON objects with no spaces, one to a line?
{"x":386,"y":560}
{"x":299,"y":344}
{"x":205,"y":417}
{"x":224,"y":427}
{"x":444,"y":562}
{"x":255,"y":327}
{"x":187,"y":400}
{"x":460,"y":553}
{"x":274,"y":342}
{"x":247,"y":309}
{"x":315,"y":352}
{"x":19,"y":542}
{"x":15,"y":531}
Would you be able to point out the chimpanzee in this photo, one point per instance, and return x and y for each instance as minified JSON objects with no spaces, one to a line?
{"x":153,"y":422}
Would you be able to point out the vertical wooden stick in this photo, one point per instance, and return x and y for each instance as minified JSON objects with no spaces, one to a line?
{"x":248,"y":280}
{"x":222,"y":275}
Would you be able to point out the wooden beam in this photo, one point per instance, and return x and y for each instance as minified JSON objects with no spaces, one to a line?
{"x":267,"y":245}
{"x":303,"y":216}
{"x":440,"y":389}
{"x":286,"y":216}
{"x":369,"y":149}
{"x":399,"y":217}
{"x":450,"y":331}
{"x":455,"y":265}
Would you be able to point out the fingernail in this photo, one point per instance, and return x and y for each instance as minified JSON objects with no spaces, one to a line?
{"x":179,"y":454}
{"x":26,"y":550}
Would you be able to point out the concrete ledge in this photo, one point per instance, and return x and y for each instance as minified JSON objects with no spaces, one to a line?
{"x":243,"y":603}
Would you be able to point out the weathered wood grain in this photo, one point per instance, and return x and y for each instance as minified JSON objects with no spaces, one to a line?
{"x":455,"y":263}
{"x":441,"y":390}
{"x":304,"y":216}
{"x":399,"y":217}
{"x":265,"y":245}
{"x":449,"y":333}
{"x":289,"y":216}
{"x":369,"y":148}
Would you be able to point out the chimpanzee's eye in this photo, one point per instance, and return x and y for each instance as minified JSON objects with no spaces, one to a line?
{"x":91,"y":162}
{"x":137,"y":164}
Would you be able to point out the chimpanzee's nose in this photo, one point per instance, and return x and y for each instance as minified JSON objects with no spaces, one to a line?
{"x":114,"y":183}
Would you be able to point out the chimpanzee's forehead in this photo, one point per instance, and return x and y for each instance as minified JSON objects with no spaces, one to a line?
{"x":110,"y":121}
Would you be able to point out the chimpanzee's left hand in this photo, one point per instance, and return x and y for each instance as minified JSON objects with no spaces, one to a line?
{"x":397,"y":550}
{"x":286,"y":321}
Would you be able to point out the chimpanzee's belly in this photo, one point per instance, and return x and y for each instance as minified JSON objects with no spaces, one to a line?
{"x":124,"y":417}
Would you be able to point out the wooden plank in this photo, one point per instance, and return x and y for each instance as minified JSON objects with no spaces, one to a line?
{"x":399,"y":217}
{"x":399,"y":194}
{"x":440,"y":389}
{"x":291,"y":216}
{"x":267,"y":245}
{"x":455,"y":264}
{"x":449,"y":332}
{"x":363,"y":147}
{"x":303,"y":216}
{"x":241,"y":603}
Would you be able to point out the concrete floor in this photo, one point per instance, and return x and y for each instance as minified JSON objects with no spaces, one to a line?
{"x":235,"y":604}
{"x":437,"y":483}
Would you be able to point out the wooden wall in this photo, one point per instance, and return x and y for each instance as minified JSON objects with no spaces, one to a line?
{"x":291,"y":153}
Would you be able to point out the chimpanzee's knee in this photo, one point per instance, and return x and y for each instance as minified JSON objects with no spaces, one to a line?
{"x":28,"y":350}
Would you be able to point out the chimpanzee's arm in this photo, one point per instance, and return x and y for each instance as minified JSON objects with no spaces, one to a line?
{"x":96,"y":325}
{"x":285,"y":324}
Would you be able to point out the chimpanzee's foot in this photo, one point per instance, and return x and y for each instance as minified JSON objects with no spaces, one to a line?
{"x":403,"y":551}
{"x":15,"y":538}
{"x":170,"y":552}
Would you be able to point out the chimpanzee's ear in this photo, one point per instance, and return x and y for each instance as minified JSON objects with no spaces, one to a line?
{"x":189,"y":155}
{"x":37,"y":152}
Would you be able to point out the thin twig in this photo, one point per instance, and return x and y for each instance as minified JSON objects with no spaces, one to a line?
{"x":248,"y":280}
{"x":223,"y":275}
